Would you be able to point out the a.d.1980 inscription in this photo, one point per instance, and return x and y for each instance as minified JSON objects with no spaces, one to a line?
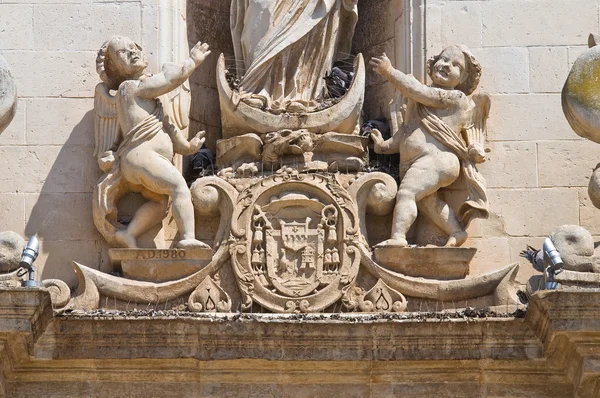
{"x":157,"y":254}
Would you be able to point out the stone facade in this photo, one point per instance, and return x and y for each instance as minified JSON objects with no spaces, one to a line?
{"x":536,"y":169}
{"x":46,"y":151}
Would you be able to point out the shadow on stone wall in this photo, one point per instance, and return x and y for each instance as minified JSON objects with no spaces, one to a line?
{"x":61,"y":212}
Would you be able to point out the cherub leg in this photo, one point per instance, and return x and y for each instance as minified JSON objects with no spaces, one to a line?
{"x":148,"y":215}
{"x":158,"y":175}
{"x":444,"y":217}
{"x":422,"y":179}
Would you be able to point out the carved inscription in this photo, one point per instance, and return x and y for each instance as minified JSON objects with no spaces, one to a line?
{"x":156,"y":254}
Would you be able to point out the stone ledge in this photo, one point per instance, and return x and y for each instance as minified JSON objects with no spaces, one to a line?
{"x":285,"y":338}
{"x":552,"y":352}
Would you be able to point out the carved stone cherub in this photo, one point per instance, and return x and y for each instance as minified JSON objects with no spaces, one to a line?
{"x":441,"y":137}
{"x":135,"y":143}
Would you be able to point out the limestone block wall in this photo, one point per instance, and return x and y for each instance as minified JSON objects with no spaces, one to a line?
{"x":538,"y":169}
{"x":48,"y":171}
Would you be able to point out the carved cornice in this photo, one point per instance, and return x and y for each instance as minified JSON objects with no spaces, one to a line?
{"x":554,"y":351}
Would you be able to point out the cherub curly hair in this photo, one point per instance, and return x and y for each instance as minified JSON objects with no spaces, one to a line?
{"x":108,"y":73}
{"x":473,"y":69}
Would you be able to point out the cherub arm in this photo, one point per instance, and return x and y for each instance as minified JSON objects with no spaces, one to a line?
{"x":387,"y":147}
{"x":172,"y":75}
{"x":180,"y":143}
{"x":412,"y":88}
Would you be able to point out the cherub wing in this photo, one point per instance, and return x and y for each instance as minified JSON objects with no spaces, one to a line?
{"x":176,"y":105}
{"x":106,"y":126}
{"x":397,"y":110}
{"x":476,"y":133}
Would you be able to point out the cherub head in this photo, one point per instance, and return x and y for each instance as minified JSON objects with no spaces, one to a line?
{"x":455,"y":68}
{"x":120,"y":59}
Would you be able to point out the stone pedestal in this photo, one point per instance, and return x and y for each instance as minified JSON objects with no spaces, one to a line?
{"x":427,"y":262}
{"x":159,"y":265}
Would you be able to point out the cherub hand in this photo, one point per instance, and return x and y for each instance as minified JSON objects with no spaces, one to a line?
{"x":197,"y":142}
{"x":106,"y":161}
{"x":376,"y":136}
{"x":199,"y":52}
{"x":476,"y":153}
{"x":382,"y":65}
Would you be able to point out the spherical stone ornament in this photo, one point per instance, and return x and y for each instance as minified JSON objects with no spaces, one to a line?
{"x":11,"y":248}
{"x":576,"y":247}
{"x":8,"y":95}
{"x":581,"y":93}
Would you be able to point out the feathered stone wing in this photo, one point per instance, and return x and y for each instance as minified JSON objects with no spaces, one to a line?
{"x":477,"y":131}
{"x":107,"y":132}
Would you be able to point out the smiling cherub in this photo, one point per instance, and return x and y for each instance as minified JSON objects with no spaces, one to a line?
{"x":442,"y":136}
{"x":135,"y":143}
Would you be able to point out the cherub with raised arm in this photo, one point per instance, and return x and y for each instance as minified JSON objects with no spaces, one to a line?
{"x":136,"y":142}
{"x":441,"y":137}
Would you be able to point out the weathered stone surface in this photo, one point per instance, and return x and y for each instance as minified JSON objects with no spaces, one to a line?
{"x":511,"y":165}
{"x":17,"y":23}
{"x":47,"y":169}
{"x":274,"y":76}
{"x":427,"y":262}
{"x":530,"y":117}
{"x":589,"y":216}
{"x":12,"y":212}
{"x":60,"y":216}
{"x":506,"y":69}
{"x":8,"y":95}
{"x":54,"y":24}
{"x":11,"y":248}
{"x":580,"y":103}
{"x":64,"y":73}
{"x":159,"y":265}
{"x":548,"y":68}
{"x":542,"y":355}
{"x":519,"y":23}
{"x":576,"y":247}
{"x":128,"y":165}
{"x":15,"y":132}
{"x":461,"y":23}
{"x":60,"y":121}
{"x":566,"y":163}
{"x":552,"y":207}
{"x":435,"y":145}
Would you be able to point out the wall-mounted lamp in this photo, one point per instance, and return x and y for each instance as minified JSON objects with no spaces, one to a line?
{"x":553,"y":262}
{"x":28,"y":257}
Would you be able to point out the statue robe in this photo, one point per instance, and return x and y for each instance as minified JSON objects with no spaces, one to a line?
{"x":284,"y":48}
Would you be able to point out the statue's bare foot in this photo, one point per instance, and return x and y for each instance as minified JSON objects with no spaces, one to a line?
{"x":190,"y":243}
{"x":393,"y":242}
{"x":296,"y":107}
{"x":457,"y":239}
{"x":124,"y":239}
{"x":255,"y":102}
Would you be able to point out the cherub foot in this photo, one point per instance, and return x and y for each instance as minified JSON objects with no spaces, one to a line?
{"x":400,"y":242}
{"x":124,"y":239}
{"x":190,"y":243}
{"x":456,"y":239}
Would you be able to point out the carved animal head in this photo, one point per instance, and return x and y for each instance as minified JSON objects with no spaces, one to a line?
{"x":286,"y":142}
{"x":120,"y":59}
